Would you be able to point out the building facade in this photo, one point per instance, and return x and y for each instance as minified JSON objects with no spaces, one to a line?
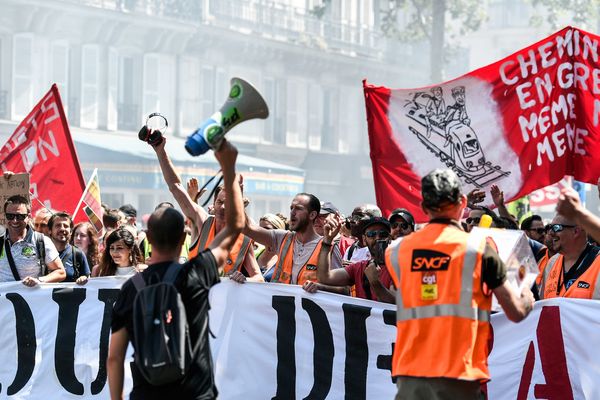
{"x":116,"y":61}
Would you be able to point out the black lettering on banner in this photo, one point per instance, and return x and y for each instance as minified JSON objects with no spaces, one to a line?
{"x":286,"y":353}
{"x":68,"y":300}
{"x":357,"y":351}
{"x":385,"y":361}
{"x":108,"y":297}
{"x":26,"y":343}
{"x":323,"y":350}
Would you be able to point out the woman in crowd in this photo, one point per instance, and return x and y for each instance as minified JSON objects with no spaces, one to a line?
{"x":121,"y":256}
{"x":267,"y":258}
{"x":85,"y":238}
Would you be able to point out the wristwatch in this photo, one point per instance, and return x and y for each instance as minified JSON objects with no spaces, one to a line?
{"x":41,"y":279}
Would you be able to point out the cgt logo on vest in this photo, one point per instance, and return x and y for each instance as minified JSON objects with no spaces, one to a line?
{"x":429,"y":260}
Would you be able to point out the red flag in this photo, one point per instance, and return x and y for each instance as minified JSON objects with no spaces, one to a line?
{"x":522,"y":123}
{"x":42,"y":146}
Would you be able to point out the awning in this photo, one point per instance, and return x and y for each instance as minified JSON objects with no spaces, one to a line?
{"x":123,"y":161}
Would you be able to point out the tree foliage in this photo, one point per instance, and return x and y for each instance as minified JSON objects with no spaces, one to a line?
{"x":582,"y":13}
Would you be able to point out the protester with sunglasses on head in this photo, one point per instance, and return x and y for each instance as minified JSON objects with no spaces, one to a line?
{"x":26,"y":255}
{"x":575,"y":270}
{"x":402,"y":223}
{"x":370,"y":277}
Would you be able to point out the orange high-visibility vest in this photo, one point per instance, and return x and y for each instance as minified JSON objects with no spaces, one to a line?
{"x":237,"y":254}
{"x":442,"y":312}
{"x":587,"y":286}
{"x":285,"y":261}
{"x":542,"y":264}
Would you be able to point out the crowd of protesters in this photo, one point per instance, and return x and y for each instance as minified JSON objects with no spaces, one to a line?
{"x":316,"y":246}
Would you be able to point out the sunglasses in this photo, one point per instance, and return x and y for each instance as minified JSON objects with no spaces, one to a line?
{"x":18,"y":217}
{"x":473,"y":221}
{"x":540,"y":231}
{"x":558,"y":227}
{"x":380,"y":234}
{"x":403,"y":225}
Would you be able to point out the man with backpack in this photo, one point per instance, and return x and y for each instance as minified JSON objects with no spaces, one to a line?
{"x":163,"y":310}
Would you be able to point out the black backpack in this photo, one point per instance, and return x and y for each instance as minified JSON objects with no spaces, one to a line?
{"x":162,"y":343}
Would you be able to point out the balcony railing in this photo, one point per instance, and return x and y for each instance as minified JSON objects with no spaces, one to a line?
{"x":183,"y":10}
{"x":279,"y":21}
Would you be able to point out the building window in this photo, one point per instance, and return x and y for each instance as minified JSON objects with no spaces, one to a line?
{"x":297,"y":103}
{"x":89,"y":86}
{"x":159,"y":86}
{"x":207,"y":101}
{"x":22,"y":87}
{"x":128,"y":108}
{"x":190,"y":104}
{"x":315,"y":116}
{"x":113,"y":90}
{"x":59,"y":62}
{"x":329,"y":136}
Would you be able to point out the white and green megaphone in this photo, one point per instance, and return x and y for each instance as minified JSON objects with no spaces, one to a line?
{"x":244,"y":103}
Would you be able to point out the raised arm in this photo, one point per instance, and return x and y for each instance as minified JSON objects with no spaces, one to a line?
{"x":325,"y":275}
{"x":257,"y":233}
{"x":498,"y":198}
{"x":570,"y":206}
{"x":234,"y":206}
{"x":188,"y":206}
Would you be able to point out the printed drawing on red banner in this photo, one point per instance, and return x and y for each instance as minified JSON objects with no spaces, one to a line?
{"x":521,"y":123}
{"x":42,"y":146}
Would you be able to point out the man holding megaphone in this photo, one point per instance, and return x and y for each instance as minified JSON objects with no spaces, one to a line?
{"x":241,"y":261}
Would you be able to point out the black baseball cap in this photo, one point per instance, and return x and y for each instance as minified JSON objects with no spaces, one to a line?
{"x":404,"y":214}
{"x":128,"y":210}
{"x":376,"y":221}
{"x":328,"y":208}
{"x":440,"y":188}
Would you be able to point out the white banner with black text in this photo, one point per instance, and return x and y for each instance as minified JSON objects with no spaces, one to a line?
{"x":277,"y":341}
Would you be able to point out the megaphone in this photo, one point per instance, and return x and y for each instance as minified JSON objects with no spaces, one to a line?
{"x":243,"y":103}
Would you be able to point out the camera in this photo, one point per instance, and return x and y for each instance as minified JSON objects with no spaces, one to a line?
{"x":379,"y":256}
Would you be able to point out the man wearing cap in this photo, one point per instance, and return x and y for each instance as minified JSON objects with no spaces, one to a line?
{"x":359,"y":251}
{"x":445,"y":279}
{"x":370,"y":280}
{"x":402,"y":223}
{"x":326,"y":209}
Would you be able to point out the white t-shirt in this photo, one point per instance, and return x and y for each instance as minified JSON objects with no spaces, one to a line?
{"x":24,"y":253}
{"x":359,"y":254}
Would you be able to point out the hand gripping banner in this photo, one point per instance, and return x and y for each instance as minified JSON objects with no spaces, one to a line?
{"x":521,"y":123}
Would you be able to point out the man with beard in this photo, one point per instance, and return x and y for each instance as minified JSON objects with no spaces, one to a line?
{"x":370,"y":277}
{"x":75,"y":263}
{"x":298,"y":250}
{"x":574,"y":270}
{"x":26,"y":255}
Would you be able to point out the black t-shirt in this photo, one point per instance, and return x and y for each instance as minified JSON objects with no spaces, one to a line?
{"x":193,"y":282}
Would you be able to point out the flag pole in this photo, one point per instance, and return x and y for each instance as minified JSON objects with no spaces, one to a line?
{"x":87,"y":186}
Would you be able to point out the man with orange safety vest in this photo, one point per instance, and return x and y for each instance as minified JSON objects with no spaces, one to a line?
{"x":444,"y":279}
{"x":575,"y":270}
{"x":241,"y":261}
{"x":297,"y":249}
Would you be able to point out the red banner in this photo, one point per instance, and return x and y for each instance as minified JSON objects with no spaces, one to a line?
{"x":522,"y":123}
{"x":42,"y":146}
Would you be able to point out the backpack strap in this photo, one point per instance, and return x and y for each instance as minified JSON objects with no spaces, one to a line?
{"x":41,"y":251}
{"x":138,"y":281}
{"x":11,"y":261}
{"x":172,"y":273}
